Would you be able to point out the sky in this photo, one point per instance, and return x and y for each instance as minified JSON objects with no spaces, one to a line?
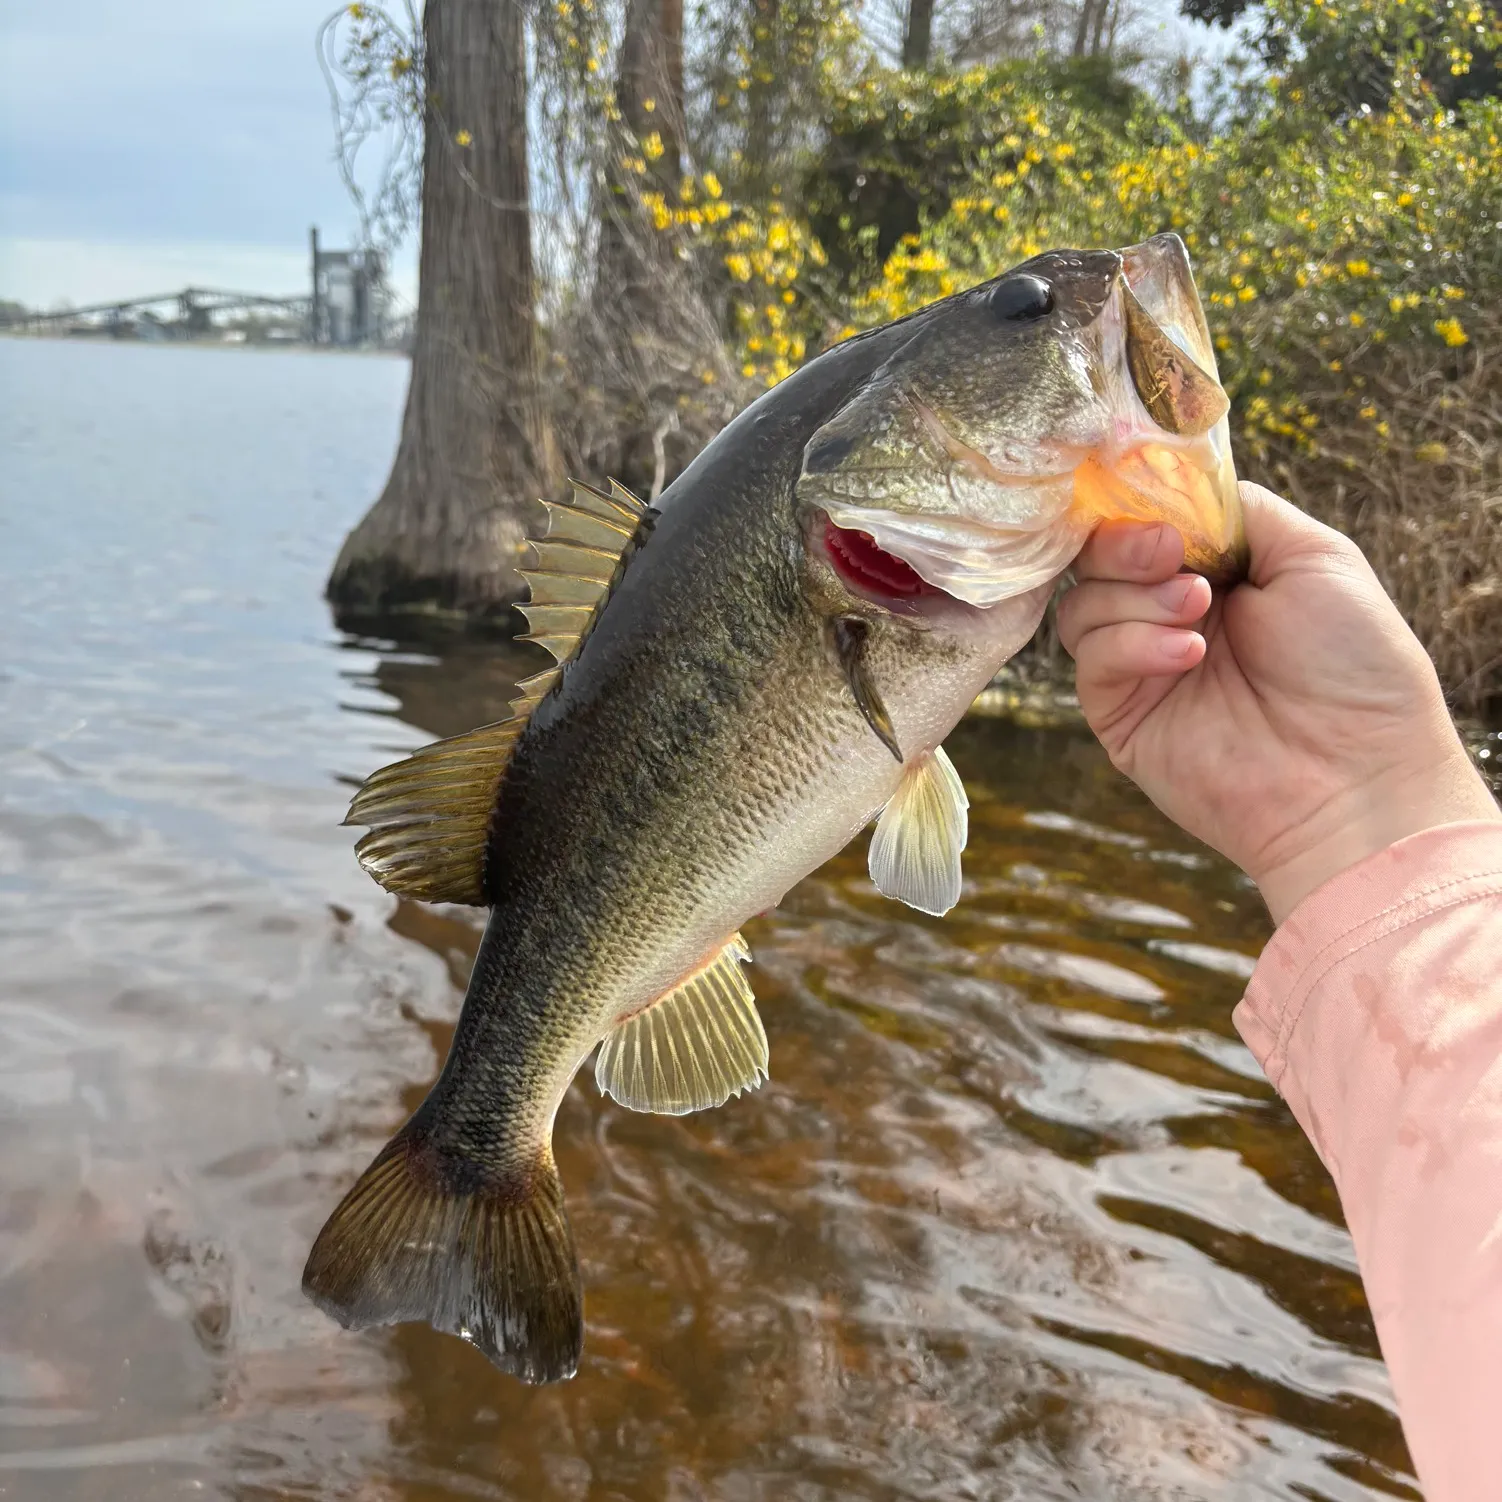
{"x":149,"y":144}
{"x":146,"y":145}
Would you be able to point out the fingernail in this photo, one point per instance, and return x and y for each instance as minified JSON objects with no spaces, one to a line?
{"x":1172,"y":593}
{"x":1145,"y":546}
{"x":1180,"y":645}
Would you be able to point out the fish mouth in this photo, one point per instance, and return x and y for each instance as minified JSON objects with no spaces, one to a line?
{"x":909,"y":561}
{"x":868,"y":569}
{"x":1175,"y":464}
{"x":1165,"y":457}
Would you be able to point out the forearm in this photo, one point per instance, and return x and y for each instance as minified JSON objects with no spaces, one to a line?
{"x":1376,"y":1011}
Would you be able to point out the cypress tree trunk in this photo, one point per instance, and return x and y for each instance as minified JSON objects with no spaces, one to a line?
{"x":649,"y":96}
{"x":477,"y":446}
{"x":756,"y":165}
{"x":917,"y":41}
{"x":647,"y":316}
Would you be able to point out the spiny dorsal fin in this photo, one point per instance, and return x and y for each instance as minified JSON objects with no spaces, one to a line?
{"x":589,"y":541}
{"x":429,"y":815}
{"x":698,"y":1046}
{"x":915,"y":852}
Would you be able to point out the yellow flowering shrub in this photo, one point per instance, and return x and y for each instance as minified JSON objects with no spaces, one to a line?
{"x":1349,"y":259}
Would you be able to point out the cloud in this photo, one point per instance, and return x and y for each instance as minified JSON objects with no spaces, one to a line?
{"x":140,"y":136}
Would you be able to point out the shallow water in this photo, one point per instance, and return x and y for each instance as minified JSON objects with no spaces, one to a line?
{"x":1017,"y":1215}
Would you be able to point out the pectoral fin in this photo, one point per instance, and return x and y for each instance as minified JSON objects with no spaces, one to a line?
{"x":915,"y":852}
{"x":694,"y":1049}
{"x":850,"y":635}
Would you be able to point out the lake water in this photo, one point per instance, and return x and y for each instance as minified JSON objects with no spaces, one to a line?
{"x":1016,"y":1217}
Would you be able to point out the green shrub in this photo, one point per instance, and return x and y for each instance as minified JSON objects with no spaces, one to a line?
{"x":1350,"y":262}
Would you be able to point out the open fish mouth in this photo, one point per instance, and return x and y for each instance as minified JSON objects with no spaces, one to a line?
{"x":925,"y":555}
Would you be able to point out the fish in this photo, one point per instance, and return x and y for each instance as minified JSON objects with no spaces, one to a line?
{"x":746,"y":675}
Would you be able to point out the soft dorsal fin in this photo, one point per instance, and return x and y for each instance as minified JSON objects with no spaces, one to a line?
{"x":429,"y":815}
{"x":698,"y":1046}
{"x":589,"y":541}
{"x":915,"y":852}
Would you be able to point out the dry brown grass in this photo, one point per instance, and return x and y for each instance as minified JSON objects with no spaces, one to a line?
{"x":1426,"y":505}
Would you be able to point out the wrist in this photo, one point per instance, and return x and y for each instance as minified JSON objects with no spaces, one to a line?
{"x":1369,"y":819}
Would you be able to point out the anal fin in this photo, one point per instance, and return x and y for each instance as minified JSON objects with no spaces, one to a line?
{"x":915,"y":852}
{"x":694,"y":1049}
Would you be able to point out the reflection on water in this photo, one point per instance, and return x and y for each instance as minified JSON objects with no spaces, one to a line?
{"x":1016,"y":1215}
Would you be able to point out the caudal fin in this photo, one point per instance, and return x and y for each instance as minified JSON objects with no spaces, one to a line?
{"x":419,"y":1238}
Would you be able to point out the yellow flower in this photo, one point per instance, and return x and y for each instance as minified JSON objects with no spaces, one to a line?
{"x":739,"y":266}
{"x":1431,"y":453}
{"x":712,"y":185}
{"x":652,"y":146}
{"x":1368,"y":412}
{"x":1358,"y":268}
{"x":748,"y":369}
{"x":463,"y":138}
{"x":649,"y":105}
{"x":1382,"y":430}
{"x":1451,"y":331}
{"x":1246,"y":294}
{"x":1357,"y":320}
{"x":1453,"y":293}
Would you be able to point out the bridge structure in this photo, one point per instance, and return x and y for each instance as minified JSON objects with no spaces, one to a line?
{"x":191,"y":312}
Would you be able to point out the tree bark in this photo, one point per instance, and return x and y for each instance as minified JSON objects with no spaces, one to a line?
{"x":649,"y":96}
{"x":756,"y":165}
{"x":917,"y":40}
{"x":647,"y":314}
{"x":649,"y":86}
{"x":1082,"y":27}
{"x":477,"y":447}
{"x":1097,"y":41}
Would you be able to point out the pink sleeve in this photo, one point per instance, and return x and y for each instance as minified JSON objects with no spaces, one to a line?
{"x":1376,"y":1011}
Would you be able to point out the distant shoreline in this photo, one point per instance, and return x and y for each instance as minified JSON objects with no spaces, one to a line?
{"x":265,"y":346}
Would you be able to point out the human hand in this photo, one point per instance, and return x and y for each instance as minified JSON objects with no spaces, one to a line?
{"x":1295,"y":724}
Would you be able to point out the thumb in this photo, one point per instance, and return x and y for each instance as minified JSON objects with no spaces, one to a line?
{"x":1281,"y":537}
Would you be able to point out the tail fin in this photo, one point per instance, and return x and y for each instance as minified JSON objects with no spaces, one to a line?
{"x":421,"y":1238}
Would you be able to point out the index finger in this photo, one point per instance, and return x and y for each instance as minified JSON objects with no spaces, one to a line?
{"x":1136,"y":552}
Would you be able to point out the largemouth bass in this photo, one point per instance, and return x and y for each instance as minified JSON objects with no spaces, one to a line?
{"x":747,"y":675}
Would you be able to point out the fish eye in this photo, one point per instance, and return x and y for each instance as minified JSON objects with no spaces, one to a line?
{"x":1021,"y":298}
